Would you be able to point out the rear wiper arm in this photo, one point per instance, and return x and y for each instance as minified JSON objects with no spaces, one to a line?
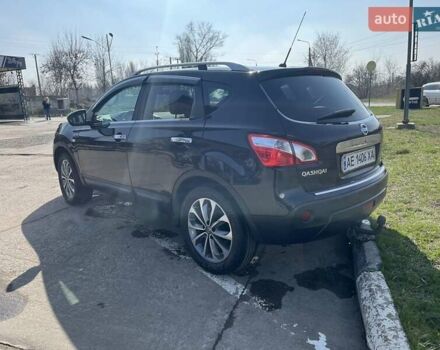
{"x":342,"y":113}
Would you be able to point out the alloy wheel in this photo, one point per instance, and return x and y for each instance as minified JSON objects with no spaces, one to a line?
{"x":210,"y":230}
{"x":67,"y":180}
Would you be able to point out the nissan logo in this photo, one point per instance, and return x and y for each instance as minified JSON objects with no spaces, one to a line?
{"x":364,"y":129}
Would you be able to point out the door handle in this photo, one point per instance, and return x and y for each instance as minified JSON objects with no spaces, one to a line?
{"x":119,"y":137}
{"x":181,"y":139}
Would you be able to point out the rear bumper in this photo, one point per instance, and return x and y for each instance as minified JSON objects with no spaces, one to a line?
{"x":310,"y":213}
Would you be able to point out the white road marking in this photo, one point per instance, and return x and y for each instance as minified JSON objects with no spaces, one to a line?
{"x":320,"y":344}
{"x":230,"y":285}
{"x":68,"y":294}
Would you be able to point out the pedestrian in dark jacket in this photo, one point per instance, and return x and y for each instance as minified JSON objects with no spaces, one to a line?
{"x":46,"y":108}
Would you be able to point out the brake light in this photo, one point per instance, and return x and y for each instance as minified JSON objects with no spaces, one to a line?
{"x":277,"y":152}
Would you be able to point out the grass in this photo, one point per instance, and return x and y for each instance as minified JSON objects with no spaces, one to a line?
{"x":410,"y":245}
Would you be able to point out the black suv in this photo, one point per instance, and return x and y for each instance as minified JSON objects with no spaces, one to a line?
{"x":237,"y":155}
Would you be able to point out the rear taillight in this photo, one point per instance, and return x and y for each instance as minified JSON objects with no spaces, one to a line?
{"x":277,"y":152}
{"x":303,"y":153}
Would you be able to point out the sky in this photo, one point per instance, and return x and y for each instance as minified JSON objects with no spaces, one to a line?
{"x":259,"y":31}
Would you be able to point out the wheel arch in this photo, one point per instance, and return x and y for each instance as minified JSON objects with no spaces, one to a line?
{"x":59,"y":150}
{"x":187,"y":183}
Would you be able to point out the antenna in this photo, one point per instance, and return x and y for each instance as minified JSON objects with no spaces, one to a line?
{"x":293,"y":41}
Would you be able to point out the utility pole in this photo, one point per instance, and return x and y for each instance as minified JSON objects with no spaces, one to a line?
{"x":157,"y":55}
{"x":253,"y":60}
{"x":104,"y":80}
{"x":109,"y":56}
{"x":310,"y":51}
{"x":109,"y":44}
{"x":405,"y":122}
{"x":38,"y":73}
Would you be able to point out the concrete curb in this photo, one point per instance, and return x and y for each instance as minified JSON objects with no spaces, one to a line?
{"x":383,"y":329}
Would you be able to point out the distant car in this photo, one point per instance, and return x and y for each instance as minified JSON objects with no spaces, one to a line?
{"x":236,"y":156}
{"x":431,"y":94}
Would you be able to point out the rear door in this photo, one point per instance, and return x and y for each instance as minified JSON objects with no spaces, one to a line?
{"x":436,"y":93}
{"x":102,"y":151}
{"x":320,"y":111}
{"x":168,"y":137}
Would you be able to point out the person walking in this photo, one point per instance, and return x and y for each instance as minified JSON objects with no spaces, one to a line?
{"x":46,"y":108}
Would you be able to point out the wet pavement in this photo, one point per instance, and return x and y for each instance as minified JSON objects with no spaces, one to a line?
{"x":97,"y":277}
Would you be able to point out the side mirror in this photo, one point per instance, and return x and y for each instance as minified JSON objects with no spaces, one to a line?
{"x":77,"y":118}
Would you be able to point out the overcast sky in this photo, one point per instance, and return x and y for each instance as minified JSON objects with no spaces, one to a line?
{"x":258,"y":30}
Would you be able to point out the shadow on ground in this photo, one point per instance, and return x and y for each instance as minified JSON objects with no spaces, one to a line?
{"x":110,"y":288}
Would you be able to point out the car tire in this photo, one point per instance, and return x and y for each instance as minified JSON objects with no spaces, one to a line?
{"x":425,"y":102}
{"x":73,"y":190}
{"x":218,"y":240}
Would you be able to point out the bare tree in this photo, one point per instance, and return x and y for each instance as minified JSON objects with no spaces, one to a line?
{"x":359,"y":80}
{"x":391,"y":71}
{"x":75,"y":61}
{"x":198,"y":42}
{"x":54,"y":68}
{"x":67,"y":62}
{"x":425,"y":72}
{"x":329,"y":52}
{"x":99,"y":54}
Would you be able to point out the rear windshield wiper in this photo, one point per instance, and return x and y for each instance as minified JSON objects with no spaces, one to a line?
{"x":342,"y":113}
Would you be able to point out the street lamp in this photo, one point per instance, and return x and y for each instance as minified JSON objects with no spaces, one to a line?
{"x":108,"y":51}
{"x":109,"y":45}
{"x":310,"y":51}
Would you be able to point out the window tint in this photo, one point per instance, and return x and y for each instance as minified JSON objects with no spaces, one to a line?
{"x":214,"y":93}
{"x":170,"y":101}
{"x":432,"y":87}
{"x":309,"y":97}
{"x":120,"y":107}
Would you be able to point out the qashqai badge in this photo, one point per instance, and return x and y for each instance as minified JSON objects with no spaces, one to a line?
{"x":364,"y":129}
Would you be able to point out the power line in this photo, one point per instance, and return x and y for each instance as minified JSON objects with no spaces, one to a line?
{"x":374,"y":36}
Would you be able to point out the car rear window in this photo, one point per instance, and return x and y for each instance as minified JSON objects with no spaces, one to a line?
{"x":310,"y":97}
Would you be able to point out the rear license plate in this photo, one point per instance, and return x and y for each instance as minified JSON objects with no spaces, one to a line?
{"x":354,"y":160}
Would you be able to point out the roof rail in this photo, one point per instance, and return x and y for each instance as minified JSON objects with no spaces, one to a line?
{"x":200,"y":66}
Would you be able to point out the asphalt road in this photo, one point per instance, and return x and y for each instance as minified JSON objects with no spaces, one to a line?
{"x":97,"y":277}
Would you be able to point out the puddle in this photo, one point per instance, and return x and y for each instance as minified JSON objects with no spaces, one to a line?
{"x":164,"y":234}
{"x":269,"y":293}
{"x":94,"y":213}
{"x":331,"y":278}
{"x":141,"y":233}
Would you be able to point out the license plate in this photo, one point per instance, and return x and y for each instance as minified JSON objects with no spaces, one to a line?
{"x":358,"y":159}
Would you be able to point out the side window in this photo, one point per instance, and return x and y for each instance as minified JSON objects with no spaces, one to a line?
{"x":432,"y":87}
{"x":120,"y":107}
{"x":170,"y":101}
{"x":215,"y":93}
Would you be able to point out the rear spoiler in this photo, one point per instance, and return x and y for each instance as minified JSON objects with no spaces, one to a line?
{"x":290,"y":72}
